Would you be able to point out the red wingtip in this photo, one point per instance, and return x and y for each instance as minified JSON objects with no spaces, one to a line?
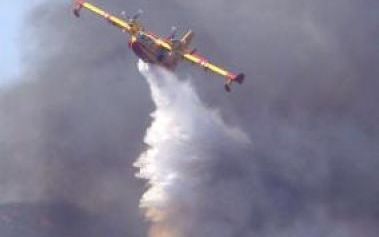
{"x":234,"y":78}
{"x":78,"y":4}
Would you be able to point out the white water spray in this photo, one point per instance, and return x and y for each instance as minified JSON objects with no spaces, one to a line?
{"x":184,"y":136}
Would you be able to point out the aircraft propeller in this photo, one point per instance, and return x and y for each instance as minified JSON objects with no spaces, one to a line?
{"x":173,"y":33}
{"x":136,"y":15}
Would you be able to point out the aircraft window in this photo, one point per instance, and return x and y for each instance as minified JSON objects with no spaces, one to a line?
{"x":142,"y":36}
{"x":145,"y":39}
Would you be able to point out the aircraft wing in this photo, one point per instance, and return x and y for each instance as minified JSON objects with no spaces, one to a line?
{"x":79,"y":4}
{"x":206,"y":65}
{"x":134,"y":28}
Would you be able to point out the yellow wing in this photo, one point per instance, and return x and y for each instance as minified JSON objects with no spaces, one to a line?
{"x":133,"y":28}
{"x":206,"y":65}
{"x":79,"y":4}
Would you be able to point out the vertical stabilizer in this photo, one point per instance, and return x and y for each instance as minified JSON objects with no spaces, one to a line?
{"x":187,"y":38}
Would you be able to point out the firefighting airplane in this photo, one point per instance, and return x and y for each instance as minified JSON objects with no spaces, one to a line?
{"x":166,"y":52}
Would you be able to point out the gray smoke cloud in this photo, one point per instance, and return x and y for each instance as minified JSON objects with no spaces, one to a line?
{"x":74,"y":128}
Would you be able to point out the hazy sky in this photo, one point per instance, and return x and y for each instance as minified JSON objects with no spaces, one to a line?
{"x":11,"y":22}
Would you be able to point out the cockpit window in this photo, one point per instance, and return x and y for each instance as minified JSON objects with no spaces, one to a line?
{"x":144,"y":38}
{"x":141,"y":36}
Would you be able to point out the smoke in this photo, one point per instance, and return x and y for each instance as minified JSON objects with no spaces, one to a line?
{"x":184,"y":139}
{"x":74,"y":128}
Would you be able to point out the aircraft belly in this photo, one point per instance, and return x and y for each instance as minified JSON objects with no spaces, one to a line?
{"x":154,"y":55}
{"x":142,"y":53}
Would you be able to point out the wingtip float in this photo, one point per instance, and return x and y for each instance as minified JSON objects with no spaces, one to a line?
{"x":166,"y":52}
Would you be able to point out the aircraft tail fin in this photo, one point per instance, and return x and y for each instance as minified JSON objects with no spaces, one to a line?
{"x":187,"y":38}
